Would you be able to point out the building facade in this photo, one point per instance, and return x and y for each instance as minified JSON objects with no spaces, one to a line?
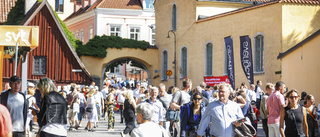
{"x":273,"y":26}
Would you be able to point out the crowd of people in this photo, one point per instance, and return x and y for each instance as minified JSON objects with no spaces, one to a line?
{"x":148,"y":110}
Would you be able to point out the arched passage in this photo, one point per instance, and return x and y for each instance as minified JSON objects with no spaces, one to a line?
{"x":142,"y":65}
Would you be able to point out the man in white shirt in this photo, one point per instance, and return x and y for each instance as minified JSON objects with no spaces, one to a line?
{"x":250,"y":94}
{"x":259,"y":93}
{"x":100,"y":105}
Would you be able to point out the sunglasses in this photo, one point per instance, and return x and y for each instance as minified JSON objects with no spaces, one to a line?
{"x":197,"y":98}
{"x":293,"y":97}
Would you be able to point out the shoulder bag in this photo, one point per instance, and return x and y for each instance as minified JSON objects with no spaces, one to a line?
{"x":173,"y":115}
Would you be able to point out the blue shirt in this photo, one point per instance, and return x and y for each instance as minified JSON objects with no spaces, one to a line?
{"x":222,"y":116}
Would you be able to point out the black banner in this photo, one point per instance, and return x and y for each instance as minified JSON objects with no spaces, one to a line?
{"x":230,"y":60}
{"x":246,"y":57}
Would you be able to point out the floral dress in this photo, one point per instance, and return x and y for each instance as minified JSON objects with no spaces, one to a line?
{"x":110,"y":112}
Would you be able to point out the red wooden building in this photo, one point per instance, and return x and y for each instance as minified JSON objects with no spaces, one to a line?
{"x":55,"y":57}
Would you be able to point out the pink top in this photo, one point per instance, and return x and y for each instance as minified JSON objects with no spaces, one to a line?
{"x":5,"y":121}
{"x":274,"y":103}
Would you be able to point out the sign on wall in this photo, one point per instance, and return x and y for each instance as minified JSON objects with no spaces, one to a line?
{"x":216,"y":80}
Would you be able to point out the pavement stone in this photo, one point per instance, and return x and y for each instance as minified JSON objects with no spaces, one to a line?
{"x":101,"y":131}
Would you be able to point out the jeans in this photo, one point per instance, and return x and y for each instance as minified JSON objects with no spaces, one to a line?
{"x":274,"y":130}
{"x":265,"y":126}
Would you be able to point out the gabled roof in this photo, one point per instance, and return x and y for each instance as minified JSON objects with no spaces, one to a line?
{"x":35,"y":10}
{"x":283,"y":54}
{"x":5,"y":7}
{"x":111,"y":4}
{"x":264,"y":3}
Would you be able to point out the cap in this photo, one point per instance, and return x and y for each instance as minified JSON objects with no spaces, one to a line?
{"x":14,"y":79}
{"x":253,"y":102}
{"x":30,"y":84}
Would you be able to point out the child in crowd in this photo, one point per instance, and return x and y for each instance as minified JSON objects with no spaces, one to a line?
{"x":257,"y":112}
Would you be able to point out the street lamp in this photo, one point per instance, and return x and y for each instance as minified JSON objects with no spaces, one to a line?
{"x":174,"y":61}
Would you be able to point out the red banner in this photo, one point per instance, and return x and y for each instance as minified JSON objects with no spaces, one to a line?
{"x":216,"y":80}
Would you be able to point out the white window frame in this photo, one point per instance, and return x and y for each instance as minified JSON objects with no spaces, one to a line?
{"x":225,"y":60}
{"x":57,"y":6}
{"x":77,"y":34}
{"x":163,"y":69}
{"x":153,"y":39}
{"x":254,"y":53}
{"x":40,"y":59}
{"x":205,"y":59}
{"x":115,"y":31}
{"x":82,"y":35}
{"x":138,"y":33}
{"x":181,"y":63}
{"x":90,"y":33}
{"x":146,"y":6}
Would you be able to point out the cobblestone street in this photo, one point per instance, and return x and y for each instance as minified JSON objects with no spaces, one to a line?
{"x":101,"y":131}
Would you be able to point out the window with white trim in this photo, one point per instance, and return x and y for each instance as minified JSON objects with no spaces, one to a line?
{"x":135,"y":33}
{"x":209,"y":50}
{"x":153,"y":36}
{"x":59,"y":6}
{"x":225,"y":66}
{"x":81,"y":35}
{"x":115,"y":30}
{"x":164,"y":65}
{"x":174,"y":17}
{"x":90,"y":32}
{"x":149,"y":4}
{"x":184,"y":61}
{"x":259,"y":54}
{"x":77,"y":34}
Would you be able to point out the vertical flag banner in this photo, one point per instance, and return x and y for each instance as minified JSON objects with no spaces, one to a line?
{"x":230,"y":61}
{"x":246,"y":57}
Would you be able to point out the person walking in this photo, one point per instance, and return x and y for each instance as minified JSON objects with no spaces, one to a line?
{"x":110,"y":100}
{"x":91,"y":109}
{"x":52,"y":118}
{"x":146,"y":127}
{"x":129,"y":112}
{"x":192,"y":115}
{"x":294,"y":117}
{"x":19,"y":109}
{"x":222,"y":114}
{"x":5,"y":124}
{"x":32,"y":106}
{"x":274,"y":104}
{"x":312,"y":116}
{"x":263,"y":108}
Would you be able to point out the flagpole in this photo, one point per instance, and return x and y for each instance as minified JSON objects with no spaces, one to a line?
{"x":16,"y":60}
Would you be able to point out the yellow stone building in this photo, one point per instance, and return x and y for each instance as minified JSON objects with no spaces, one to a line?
{"x":201,"y":25}
{"x":300,"y":66}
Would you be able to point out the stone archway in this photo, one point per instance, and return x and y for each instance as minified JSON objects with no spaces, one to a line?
{"x":148,"y":58}
{"x":126,"y":58}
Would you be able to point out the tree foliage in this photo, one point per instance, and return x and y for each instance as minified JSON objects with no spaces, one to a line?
{"x":16,"y":14}
{"x":99,"y":44}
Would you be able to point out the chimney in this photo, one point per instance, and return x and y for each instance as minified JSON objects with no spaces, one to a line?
{"x":28,"y":5}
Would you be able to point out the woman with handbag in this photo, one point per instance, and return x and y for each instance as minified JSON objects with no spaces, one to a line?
{"x":191,"y":116}
{"x":312,"y":116}
{"x":52,"y":117}
{"x":91,"y":109}
{"x":294,"y":116}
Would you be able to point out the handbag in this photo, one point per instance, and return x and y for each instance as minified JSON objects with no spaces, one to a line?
{"x":250,"y":114}
{"x":89,"y":109}
{"x":173,"y":115}
{"x":245,"y":130}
